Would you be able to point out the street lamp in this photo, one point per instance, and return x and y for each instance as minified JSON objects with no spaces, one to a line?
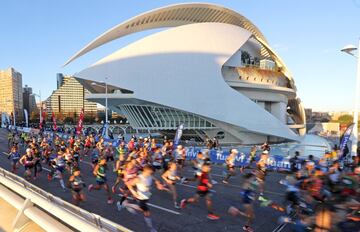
{"x":350,"y":49}
{"x":14,"y":113}
{"x":106,"y":97}
{"x":39,"y":95}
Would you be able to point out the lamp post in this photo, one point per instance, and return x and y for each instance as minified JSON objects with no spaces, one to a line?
{"x":350,"y":49}
{"x":39,"y":95}
{"x":106,"y":97}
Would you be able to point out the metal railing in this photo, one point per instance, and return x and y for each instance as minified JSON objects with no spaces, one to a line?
{"x":18,"y":185}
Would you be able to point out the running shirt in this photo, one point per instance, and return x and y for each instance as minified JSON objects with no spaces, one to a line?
{"x":101,"y":174}
{"x":143,"y":187}
{"x":172,"y":176}
{"x":230,"y":161}
{"x":15,"y":156}
{"x":179,"y":155}
{"x":130,"y":173}
{"x":203,"y":182}
{"x":198,"y":166}
{"x":157,"y":159}
{"x":76,"y":184}
{"x":29,"y":161}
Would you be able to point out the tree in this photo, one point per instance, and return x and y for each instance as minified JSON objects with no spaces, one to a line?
{"x":345,"y":119}
{"x":35,"y":116}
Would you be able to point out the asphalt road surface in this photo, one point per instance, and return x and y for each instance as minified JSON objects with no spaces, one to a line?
{"x":165,"y":217}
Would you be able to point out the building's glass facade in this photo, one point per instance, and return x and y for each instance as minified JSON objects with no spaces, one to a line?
{"x":11,"y":97}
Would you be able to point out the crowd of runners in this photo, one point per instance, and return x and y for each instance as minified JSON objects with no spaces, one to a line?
{"x":321,"y":195}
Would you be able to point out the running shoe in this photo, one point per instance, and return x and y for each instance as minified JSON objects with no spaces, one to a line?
{"x":110,"y":201}
{"x":248,"y":229}
{"x":214,"y":182}
{"x":49,"y":177}
{"x":176,"y":205}
{"x":183,"y":180}
{"x":225,"y":182}
{"x":213,"y":216}
{"x":183,"y":203}
{"x":119,"y":206}
{"x":90,"y":187}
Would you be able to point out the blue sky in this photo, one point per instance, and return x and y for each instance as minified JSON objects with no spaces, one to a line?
{"x":37,"y":37}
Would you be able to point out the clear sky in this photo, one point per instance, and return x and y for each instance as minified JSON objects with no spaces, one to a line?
{"x":37,"y":37}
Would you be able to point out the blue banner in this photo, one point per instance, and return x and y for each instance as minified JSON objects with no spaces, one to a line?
{"x":345,"y":138}
{"x":178,"y":134}
{"x":275,"y":162}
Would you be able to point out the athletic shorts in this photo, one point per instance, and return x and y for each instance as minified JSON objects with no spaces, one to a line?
{"x":247,"y":197}
{"x":293,"y":198}
{"x":28,"y":167}
{"x":101,"y":181}
{"x":180,"y":162}
{"x":143,"y":205}
{"x":109,"y":158}
{"x":156,"y":167}
{"x":76,"y":190}
{"x":203,"y":193}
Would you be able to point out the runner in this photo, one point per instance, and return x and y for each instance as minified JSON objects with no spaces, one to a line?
{"x":170,"y":177}
{"x":119,"y":171}
{"x":27,"y":161}
{"x":180,"y":156}
{"x":58,"y":167}
{"x":76,"y":184}
{"x":140,"y":189}
{"x":203,"y":190}
{"x":100,"y":174}
{"x":230,"y":165}
{"x":14,"y":156}
{"x":248,"y":197}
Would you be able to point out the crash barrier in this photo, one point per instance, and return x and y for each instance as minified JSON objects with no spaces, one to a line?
{"x":48,"y":211}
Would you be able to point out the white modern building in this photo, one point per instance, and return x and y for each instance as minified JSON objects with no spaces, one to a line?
{"x":209,"y":68}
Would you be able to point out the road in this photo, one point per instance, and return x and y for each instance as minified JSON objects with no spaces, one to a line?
{"x":165,"y":217}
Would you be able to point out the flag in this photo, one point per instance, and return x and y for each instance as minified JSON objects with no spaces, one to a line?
{"x":105,"y":129}
{"x":42,"y":119}
{"x":178,"y":134}
{"x":345,"y":138}
{"x":26,"y":118}
{"x":54,"y":121}
{"x":80,"y":123}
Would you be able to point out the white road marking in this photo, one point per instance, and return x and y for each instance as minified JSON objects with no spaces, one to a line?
{"x":86,"y":162}
{"x":7,"y":154}
{"x":157,"y":207}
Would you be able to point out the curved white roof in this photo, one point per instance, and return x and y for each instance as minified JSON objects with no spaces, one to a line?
{"x":172,"y":16}
{"x":194,"y":68}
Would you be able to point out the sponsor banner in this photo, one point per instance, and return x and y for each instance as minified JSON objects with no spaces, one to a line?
{"x":218,"y":156}
{"x":178,"y":134}
{"x":80,"y":123}
{"x":345,"y":139}
{"x":26,"y":117}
